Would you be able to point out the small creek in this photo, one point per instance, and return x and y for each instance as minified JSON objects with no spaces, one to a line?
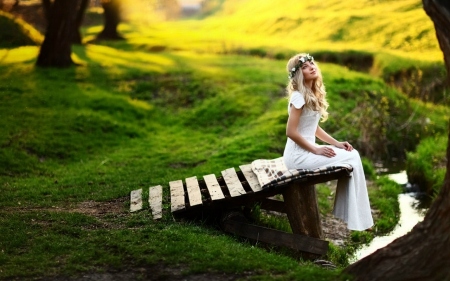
{"x":409,"y":217}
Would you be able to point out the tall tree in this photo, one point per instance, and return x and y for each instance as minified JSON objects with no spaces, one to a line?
{"x":56,"y":49}
{"x":78,"y":21}
{"x":112,"y":17}
{"x":423,"y":253}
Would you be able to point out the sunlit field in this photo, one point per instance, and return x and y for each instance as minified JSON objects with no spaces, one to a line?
{"x":186,"y":98}
{"x":398,"y":27}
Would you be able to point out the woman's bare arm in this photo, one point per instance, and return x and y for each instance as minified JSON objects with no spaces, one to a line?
{"x":324,"y":136}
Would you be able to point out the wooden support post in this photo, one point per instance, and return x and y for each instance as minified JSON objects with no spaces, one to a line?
{"x":273,"y":205}
{"x":302,"y":209}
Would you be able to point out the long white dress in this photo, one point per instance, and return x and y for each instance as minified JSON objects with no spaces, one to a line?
{"x":352,"y":201}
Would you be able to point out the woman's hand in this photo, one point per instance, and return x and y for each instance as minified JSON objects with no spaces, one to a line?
{"x":344,"y":145}
{"x":325,"y":151}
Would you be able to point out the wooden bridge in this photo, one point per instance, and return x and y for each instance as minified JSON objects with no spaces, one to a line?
{"x":236,"y":189}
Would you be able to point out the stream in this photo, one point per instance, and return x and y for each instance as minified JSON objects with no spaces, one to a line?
{"x":409,"y":217}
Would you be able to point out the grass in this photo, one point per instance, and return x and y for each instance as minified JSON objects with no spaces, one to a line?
{"x":16,"y":32}
{"x":97,"y":131}
{"x":129,"y":117}
{"x":368,"y":36}
{"x":67,"y":243}
{"x":427,"y":165}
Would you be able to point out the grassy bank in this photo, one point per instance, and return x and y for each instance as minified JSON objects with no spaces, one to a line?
{"x":94,"y":132}
{"x":169,"y":103}
{"x":427,"y":165}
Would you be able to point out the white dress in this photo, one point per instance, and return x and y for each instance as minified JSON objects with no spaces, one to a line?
{"x":352,"y":201}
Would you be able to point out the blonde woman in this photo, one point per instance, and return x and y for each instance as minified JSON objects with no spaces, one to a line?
{"x":307,"y":105}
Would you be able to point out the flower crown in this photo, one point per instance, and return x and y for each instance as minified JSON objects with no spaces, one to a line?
{"x":301,"y":61}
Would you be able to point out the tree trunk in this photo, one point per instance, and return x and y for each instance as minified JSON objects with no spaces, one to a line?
{"x":111,"y":15}
{"x":47,"y":6}
{"x":423,"y":253}
{"x":439,"y":12}
{"x":56,"y":49}
{"x":79,"y":19}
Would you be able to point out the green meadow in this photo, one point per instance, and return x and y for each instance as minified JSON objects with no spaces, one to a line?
{"x":194,"y":97}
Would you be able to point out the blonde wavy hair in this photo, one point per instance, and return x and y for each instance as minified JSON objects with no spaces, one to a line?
{"x":315,"y":96}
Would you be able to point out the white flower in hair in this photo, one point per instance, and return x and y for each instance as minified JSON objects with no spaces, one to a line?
{"x":301,"y":61}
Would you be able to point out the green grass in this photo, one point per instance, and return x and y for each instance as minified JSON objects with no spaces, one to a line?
{"x":102,"y":129}
{"x":427,"y":165}
{"x":15,"y":32}
{"x":394,"y":41}
{"x":128,"y":117}
{"x":45,"y":243}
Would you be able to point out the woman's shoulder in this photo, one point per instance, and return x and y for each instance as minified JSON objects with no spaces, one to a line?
{"x":297,"y":95}
{"x":297,"y":99}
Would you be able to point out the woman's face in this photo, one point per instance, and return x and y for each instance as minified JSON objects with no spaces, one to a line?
{"x":309,"y":70}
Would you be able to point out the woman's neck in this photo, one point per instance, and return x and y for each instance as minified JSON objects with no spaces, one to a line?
{"x":309,"y":84}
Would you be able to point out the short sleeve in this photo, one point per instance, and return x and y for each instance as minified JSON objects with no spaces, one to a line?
{"x":297,"y":100}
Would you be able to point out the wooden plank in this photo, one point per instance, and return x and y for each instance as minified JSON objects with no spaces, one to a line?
{"x":251,"y":197}
{"x":136,"y":200}
{"x":279,"y":238}
{"x":176,"y":195}
{"x":193,"y":189}
{"x":213,"y":187}
{"x":155,"y":201}
{"x":233,"y":183}
{"x":251,"y":178}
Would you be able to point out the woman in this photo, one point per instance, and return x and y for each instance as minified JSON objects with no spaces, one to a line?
{"x":307,"y":105}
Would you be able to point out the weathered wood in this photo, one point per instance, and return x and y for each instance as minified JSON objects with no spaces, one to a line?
{"x":276,"y":237}
{"x":176,"y":196}
{"x":251,"y":178}
{"x":213,"y":187}
{"x":273,"y":205}
{"x":233,"y":183}
{"x":155,"y":201}
{"x":252,"y":197}
{"x":136,"y":200}
{"x":302,"y":209}
{"x":193,"y":189}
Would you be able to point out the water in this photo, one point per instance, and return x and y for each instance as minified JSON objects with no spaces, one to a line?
{"x":409,"y":217}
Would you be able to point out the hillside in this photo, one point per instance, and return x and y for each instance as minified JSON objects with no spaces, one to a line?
{"x":180,"y":99}
{"x":364,"y":25}
{"x":393,"y":40}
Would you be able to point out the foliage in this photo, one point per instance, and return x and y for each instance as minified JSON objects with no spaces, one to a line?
{"x":426,"y":166}
{"x":15,"y":32}
{"x":97,"y":131}
{"x":369,"y":169}
{"x":384,"y":198}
